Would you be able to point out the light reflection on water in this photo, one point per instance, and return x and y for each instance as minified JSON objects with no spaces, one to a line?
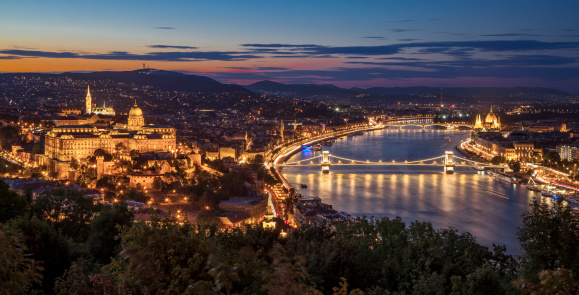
{"x":467,"y":200}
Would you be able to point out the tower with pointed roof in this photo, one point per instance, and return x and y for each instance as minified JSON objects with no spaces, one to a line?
{"x":88,"y":101}
{"x":281,"y":128}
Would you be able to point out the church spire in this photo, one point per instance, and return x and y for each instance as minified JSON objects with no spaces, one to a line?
{"x":88,"y":101}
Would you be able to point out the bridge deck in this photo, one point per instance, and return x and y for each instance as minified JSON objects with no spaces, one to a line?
{"x":390,"y":164}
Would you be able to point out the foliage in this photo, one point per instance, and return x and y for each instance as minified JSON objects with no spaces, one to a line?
{"x":18,"y":272}
{"x":11,"y":203}
{"x":515,"y":166}
{"x":496,"y":160}
{"x":102,"y":241}
{"x":45,"y":245}
{"x":549,"y":235}
{"x":559,"y":281}
{"x":134,"y":195}
{"x":69,"y":211}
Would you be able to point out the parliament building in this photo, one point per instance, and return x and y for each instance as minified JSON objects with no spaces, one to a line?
{"x":63,"y":143}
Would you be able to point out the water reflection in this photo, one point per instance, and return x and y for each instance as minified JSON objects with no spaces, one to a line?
{"x":468,"y":200}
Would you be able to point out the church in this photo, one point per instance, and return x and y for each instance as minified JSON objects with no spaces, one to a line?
{"x":492,"y":122}
{"x":63,"y":143}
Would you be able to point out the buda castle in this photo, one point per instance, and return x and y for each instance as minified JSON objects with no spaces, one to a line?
{"x":65,"y":142}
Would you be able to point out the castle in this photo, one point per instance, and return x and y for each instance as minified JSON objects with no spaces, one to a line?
{"x":67,"y":142}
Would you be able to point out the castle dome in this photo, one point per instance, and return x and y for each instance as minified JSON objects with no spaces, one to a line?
{"x":135,"y":112}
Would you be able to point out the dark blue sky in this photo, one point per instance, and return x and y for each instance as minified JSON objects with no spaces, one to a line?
{"x":347,"y":43}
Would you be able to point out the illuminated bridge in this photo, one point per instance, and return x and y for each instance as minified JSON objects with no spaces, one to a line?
{"x":448,"y":161}
{"x":448,"y":126}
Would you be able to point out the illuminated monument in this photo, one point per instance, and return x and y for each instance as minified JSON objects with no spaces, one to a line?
{"x":97,"y":110}
{"x":67,"y":142}
{"x":492,"y":122}
{"x":88,"y":101}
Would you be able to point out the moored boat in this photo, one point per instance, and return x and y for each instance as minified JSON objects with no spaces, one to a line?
{"x":501,"y":176}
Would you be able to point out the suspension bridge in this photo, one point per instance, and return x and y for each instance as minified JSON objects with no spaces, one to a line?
{"x":448,"y":126}
{"x":448,"y":161}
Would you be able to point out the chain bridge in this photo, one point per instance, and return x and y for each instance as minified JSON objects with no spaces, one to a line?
{"x":448,"y":161}
{"x":448,"y":126}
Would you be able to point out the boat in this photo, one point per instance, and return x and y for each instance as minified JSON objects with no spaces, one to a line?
{"x":327,"y":143}
{"x":317,"y":147}
{"x":501,"y":176}
{"x":303,"y":185}
{"x":533,"y":186}
{"x":306,"y":147}
{"x":559,"y":194}
{"x":448,"y":137}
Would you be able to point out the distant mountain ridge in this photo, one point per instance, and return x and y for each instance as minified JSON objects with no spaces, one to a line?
{"x":175,"y":81}
{"x":318,"y":91}
{"x":163,"y":80}
{"x":301,"y":90}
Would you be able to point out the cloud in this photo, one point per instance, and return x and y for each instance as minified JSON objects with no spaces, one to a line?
{"x":123,"y":55}
{"x":402,"y":30}
{"x":375,"y":37}
{"x":408,"y":40}
{"x":257,"y":68}
{"x":372,"y":73}
{"x":10,"y":57}
{"x":164,"y":28}
{"x":454,"y":48}
{"x":172,"y":46}
{"x":510,"y":35}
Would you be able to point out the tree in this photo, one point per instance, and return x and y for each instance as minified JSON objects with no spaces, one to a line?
{"x":496,"y":160}
{"x":515,"y":166}
{"x":74,"y":163}
{"x":18,"y":272}
{"x":69,"y":211}
{"x":102,"y":240}
{"x":120,"y":148}
{"x":134,"y":195}
{"x":549,"y":235}
{"x":11,"y":203}
{"x":134,"y":154}
{"x":233,"y":184}
{"x":45,"y":245}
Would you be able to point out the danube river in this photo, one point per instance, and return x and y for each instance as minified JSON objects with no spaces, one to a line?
{"x":467,"y":200}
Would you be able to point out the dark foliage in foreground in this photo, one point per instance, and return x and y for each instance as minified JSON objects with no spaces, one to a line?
{"x":68,"y":253}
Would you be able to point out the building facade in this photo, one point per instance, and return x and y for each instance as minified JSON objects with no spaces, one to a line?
{"x":63,"y":143}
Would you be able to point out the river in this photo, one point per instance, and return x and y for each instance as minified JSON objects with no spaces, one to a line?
{"x":468,"y":200}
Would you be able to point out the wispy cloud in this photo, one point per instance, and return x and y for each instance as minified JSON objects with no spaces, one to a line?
{"x":258,"y":68}
{"x":172,"y":46}
{"x":164,"y":28}
{"x":402,"y":30}
{"x":123,"y":55}
{"x":375,"y":37}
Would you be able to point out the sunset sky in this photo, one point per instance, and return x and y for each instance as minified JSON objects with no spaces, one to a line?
{"x":347,"y":43}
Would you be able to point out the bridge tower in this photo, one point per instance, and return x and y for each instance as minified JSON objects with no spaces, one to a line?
{"x":325,"y":162}
{"x":448,"y":162}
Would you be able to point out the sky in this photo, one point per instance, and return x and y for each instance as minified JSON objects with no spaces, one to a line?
{"x":361,"y":43}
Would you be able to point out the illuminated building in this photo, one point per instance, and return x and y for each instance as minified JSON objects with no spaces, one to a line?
{"x":63,"y":143}
{"x":104,"y":110}
{"x":88,"y":101}
{"x":492,"y":122}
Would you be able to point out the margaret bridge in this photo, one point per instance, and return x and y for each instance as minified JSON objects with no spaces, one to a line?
{"x":448,"y":161}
